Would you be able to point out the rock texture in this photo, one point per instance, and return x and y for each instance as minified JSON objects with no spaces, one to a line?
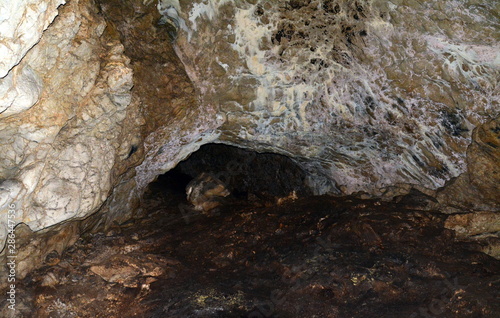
{"x":176,"y":123}
{"x":366,"y":96}
{"x":205,"y":192}
{"x":470,"y":224}
{"x":479,"y":187}
{"x":22,"y":23}
{"x":367,"y":93}
{"x":59,"y":157}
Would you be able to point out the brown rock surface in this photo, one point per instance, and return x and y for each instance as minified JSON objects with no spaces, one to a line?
{"x":479,"y":187}
{"x":474,"y":223}
{"x":315,"y":256}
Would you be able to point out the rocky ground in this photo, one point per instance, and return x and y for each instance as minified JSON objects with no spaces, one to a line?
{"x":308,"y":257}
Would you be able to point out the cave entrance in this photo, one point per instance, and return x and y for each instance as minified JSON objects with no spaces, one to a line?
{"x":243,"y":174}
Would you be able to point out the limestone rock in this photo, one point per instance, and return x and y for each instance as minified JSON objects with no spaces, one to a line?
{"x":483,"y":228}
{"x":21,"y":26}
{"x":128,"y":269}
{"x":114,"y":273}
{"x":483,"y":162}
{"x":34,"y":249}
{"x":471,"y":224}
{"x":367,"y":96}
{"x":368,"y":93}
{"x":62,"y":156}
{"x":479,"y":187}
{"x":19,"y":90}
{"x":205,"y":192}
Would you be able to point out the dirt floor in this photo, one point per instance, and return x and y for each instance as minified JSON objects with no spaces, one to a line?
{"x":309,"y":257}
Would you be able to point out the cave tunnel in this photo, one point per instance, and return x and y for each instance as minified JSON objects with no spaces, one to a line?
{"x":245,"y":173}
{"x":202,"y":158}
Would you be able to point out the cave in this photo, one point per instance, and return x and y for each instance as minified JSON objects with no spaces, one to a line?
{"x":246,"y":174}
{"x":202,"y":158}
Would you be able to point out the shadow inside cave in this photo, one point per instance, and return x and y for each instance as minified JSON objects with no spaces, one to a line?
{"x":244,"y":172}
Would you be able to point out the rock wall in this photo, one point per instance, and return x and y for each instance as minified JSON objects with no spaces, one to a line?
{"x":22,"y":23}
{"x":60,"y":156}
{"x":478,"y":188}
{"x":367,"y":96}
{"x":176,"y":122}
{"x":106,"y":92}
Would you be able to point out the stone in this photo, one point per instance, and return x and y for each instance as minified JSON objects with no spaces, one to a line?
{"x":368,"y":97}
{"x":21,"y":24}
{"x":19,"y":91}
{"x":205,"y":192}
{"x":50,"y":280}
{"x":62,"y":142}
{"x":478,"y":188}
{"x":124,"y":274}
{"x":492,"y":247}
{"x":319,"y":84}
{"x":36,"y":248}
{"x":67,"y":144}
{"x":127,"y":269}
{"x":480,"y":227}
{"x":471,"y":224}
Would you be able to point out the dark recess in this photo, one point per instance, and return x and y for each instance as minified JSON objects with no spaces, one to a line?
{"x":243,"y":171}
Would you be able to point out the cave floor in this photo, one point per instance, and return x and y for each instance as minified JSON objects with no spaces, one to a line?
{"x":312,"y":257}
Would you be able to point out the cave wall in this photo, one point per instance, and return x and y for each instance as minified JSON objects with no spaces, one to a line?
{"x":61,"y":151}
{"x":372,"y":96}
{"x":368,"y":93}
{"x":100,"y":92}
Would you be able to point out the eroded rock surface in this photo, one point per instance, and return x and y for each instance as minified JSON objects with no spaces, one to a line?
{"x":22,"y":23}
{"x":365,"y":96}
{"x":479,"y":187}
{"x":59,"y":157}
{"x":368,"y":93}
{"x":176,"y":123}
{"x":314,"y":257}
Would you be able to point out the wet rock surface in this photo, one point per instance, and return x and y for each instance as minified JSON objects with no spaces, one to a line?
{"x":308,"y":257}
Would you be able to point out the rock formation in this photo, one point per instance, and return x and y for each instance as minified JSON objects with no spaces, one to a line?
{"x":205,"y":192}
{"x":368,"y":94}
{"x":369,"y":97}
{"x":59,"y":155}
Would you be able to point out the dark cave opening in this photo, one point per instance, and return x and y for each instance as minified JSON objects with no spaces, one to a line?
{"x":247,"y":175}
